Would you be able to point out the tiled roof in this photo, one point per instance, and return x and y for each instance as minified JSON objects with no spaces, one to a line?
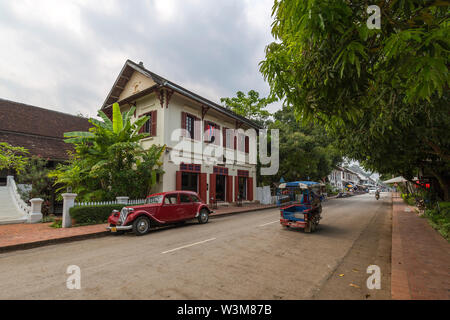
{"x":39,"y":130}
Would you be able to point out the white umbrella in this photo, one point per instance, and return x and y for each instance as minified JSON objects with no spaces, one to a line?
{"x":396,"y":180}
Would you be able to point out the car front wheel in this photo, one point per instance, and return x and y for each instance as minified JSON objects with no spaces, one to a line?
{"x":141,"y":225}
{"x":203,"y":217}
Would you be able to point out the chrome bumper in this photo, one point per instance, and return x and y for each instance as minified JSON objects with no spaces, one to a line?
{"x":120,"y":228}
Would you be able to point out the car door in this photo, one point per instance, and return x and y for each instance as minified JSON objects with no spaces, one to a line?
{"x":186,"y":207}
{"x":168,"y":211}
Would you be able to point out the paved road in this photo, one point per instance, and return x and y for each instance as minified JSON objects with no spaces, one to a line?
{"x":242,"y":256}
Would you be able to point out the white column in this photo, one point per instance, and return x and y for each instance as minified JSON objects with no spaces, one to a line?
{"x":36,"y":210}
{"x":122,"y":200}
{"x":69,"y":202}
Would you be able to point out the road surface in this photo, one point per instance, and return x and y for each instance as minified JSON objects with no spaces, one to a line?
{"x":240,"y":256}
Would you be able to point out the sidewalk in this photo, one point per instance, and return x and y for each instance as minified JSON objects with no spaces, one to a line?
{"x":26,"y":236}
{"x":420,"y":257}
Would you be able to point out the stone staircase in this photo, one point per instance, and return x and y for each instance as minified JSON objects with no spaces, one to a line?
{"x":9,"y":213}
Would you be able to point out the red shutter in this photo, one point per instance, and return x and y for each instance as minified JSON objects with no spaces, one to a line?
{"x":197,"y":130}
{"x":178,"y":183}
{"x":217,"y":134}
{"x":250,"y":189}
{"x":212,"y":186}
{"x":247,"y":141}
{"x":183,"y":123}
{"x":154,"y":121}
{"x":205,"y":131}
{"x":202,"y":187}
{"x":229,"y":189}
{"x":224,"y":135}
{"x":236,"y":188}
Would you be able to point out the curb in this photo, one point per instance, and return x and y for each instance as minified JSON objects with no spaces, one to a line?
{"x":43,"y":243}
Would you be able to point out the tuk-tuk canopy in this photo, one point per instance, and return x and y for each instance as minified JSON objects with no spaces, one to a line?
{"x":300,"y":184}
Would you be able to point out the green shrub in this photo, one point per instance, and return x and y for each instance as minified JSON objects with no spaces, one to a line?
{"x":57,"y":224}
{"x":440,"y":220}
{"x":93,"y":214}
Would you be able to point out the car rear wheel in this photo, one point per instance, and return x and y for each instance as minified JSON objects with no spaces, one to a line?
{"x":141,"y":225}
{"x":203,"y":217}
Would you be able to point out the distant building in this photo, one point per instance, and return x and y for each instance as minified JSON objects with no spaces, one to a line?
{"x":40,"y":131}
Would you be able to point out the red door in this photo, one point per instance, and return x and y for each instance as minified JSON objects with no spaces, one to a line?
{"x":229,"y":189}
{"x":250,"y":189}
{"x":168,"y":211}
{"x":186,"y":208}
{"x":212,"y":186}
{"x":202,"y":187}
{"x":236,"y":188}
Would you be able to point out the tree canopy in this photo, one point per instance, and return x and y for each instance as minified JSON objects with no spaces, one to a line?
{"x":251,"y":106}
{"x":306,"y":151}
{"x":383,"y":94}
{"x":13,"y":158}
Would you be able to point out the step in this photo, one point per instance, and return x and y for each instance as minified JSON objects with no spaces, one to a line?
{"x":12,"y":220}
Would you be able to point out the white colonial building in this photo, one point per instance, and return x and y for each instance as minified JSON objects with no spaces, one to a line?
{"x":210,"y":149}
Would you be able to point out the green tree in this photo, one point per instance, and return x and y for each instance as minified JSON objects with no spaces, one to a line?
{"x":306,"y":151}
{"x":109,"y":160}
{"x":12,"y":158}
{"x":383,"y":94}
{"x":250,"y":106}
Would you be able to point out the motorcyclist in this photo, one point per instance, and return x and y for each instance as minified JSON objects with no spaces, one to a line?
{"x":377,"y":194}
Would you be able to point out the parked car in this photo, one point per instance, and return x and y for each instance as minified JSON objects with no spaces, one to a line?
{"x":372,"y":190}
{"x":159,"y":209}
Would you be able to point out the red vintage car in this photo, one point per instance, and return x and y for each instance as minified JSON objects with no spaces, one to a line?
{"x":159,"y":209}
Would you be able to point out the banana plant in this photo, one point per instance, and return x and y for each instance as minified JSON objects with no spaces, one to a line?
{"x":109,"y":160}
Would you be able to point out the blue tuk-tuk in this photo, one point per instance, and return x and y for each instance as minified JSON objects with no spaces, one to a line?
{"x":301,"y":204}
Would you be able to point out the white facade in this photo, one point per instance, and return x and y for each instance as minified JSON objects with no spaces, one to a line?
{"x":236,"y":177}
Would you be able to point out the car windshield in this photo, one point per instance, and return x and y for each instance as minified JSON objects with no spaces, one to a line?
{"x":154,"y":199}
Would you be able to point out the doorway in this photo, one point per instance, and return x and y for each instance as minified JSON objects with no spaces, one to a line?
{"x":189,"y":181}
{"x":220,"y":187}
{"x":242,"y":188}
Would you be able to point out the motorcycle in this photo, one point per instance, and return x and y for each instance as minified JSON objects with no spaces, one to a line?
{"x":377,"y":195}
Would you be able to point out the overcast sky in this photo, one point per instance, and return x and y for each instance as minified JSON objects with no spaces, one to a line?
{"x":66,"y":55}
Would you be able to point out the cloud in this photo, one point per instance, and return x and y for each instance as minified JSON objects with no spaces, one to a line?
{"x":65,"y":55}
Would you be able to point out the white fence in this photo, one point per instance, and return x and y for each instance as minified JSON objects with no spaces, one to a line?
{"x":264,"y":196}
{"x":103,"y":203}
